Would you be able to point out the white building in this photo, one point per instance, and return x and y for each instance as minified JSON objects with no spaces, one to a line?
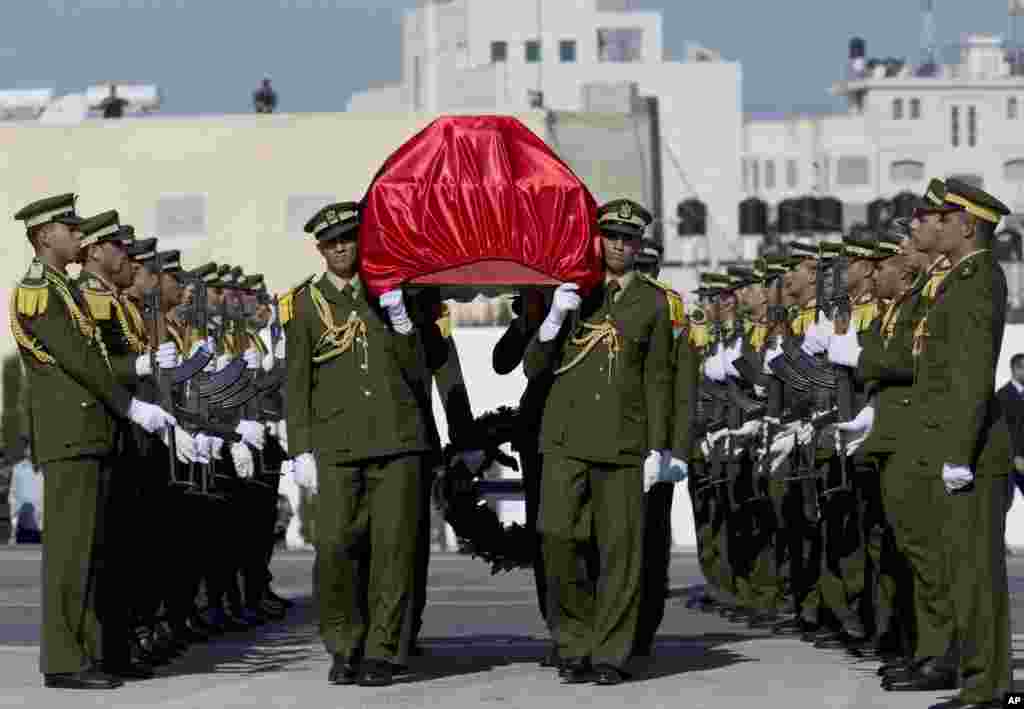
{"x":493,"y":56}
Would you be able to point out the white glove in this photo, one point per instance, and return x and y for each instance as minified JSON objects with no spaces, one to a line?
{"x":143,"y":367}
{"x":956,"y":477}
{"x":206,"y":344}
{"x":288,"y":468}
{"x":208,"y":447}
{"x":749,"y":429}
{"x":770,"y":356}
{"x":305,"y":471}
{"x":709,"y":442}
{"x":656,"y":462}
{"x":760,"y":392}
{"x":282,"y":434}
{"x":844,"y":350}
{"x":781,"y":449}
{"x":394,"y":302}
{"x":167,"y":355}
{"x":151,"y":417}
{"x":472,"y":460}
{"x":252,"y":358}
{"x":221,"y":362}
{"x":857,"y":429}
{"x":184,"y":445}
{"x":804,"y":434}
{"x":241,"y":456}
{"x":252,"y":433}
{"x":675,"y":472}
{"x":268,"y":362}
{"x":729,"y":356}
{"x":566,"y":299}
{"x":271,"y":428}
{"x":714,"y":367}
{"x":816,"y":337}
{"x":279,"y":350}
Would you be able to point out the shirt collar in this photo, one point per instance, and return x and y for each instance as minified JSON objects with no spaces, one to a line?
{"x":1018,"y":386}
{"x":624,"y":280}
{"x":970,"y":256}
{"x":340,"y":283}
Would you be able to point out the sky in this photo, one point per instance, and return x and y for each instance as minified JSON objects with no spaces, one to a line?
{"x":207,"y":56}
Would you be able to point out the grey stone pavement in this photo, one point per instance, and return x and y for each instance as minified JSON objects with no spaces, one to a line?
{"x":483,"y":638}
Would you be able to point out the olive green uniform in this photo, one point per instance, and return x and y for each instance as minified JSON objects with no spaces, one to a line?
{"x":609,"y":406}
{"x":74,"y":400}
{"x":962,"y":425}
{"x":362,"y":408}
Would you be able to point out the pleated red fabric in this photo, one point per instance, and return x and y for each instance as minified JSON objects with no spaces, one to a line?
{"x":478,"y":201}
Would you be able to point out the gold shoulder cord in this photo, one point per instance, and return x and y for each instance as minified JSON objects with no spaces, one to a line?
{"x":889,"y":320}
{"x":134,"y":343}
{"x":337,"y":339}
{"x":605,"y":331}
{"x":85,"y":323}
{"x":29,"y":302}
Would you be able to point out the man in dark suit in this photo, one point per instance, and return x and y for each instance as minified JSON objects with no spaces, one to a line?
{"x":1011,"y":398}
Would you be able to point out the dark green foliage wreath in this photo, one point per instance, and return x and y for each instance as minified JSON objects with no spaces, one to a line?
{"x":456,"y":494}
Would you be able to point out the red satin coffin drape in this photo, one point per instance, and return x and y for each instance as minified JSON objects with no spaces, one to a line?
{"x":477,"y":201}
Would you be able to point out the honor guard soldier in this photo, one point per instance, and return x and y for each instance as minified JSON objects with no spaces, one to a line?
{"x":605,"y":439}
{"x":358,"y":416}
{"x":960,"y":457}
{"x":73,"y":389}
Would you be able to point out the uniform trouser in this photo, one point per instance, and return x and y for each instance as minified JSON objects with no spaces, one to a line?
{"x":368,"y":521}
{"x":890,"y":584}
{"x":913,"y":492}
{"x":154,"y":573}
{"x":804,"y":544}
{"x":421,"y":572}
{"x":657,"y":554}
{"x":253,"y":525}
{"x":766,"y":578}
{"x":71,"y":637}
{"x":532,"y":462}
{"x":579,"y":499}
{"x":843,"y":568}
{"x":707,"y":553}
{"x":974,"y":535}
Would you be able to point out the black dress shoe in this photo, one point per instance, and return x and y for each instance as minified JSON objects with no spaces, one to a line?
{"x":575,"y":671}
{"x":271,"y":611}
{"x":130,"y":670}
{"x":764,"y":619}
{"x":252,"y":617}
{"x":233,"y":623}
{"x":86,"y":679}
{"x":343,"y":671}
{"x":375,"y":673}
{"x":839,"y":641}
{"x":902,"y":664}
{"x":928,"y":677}
{"x":607,"y":675}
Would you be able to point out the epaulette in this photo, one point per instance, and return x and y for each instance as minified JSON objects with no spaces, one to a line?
{"x":676,"y":308}
{"x":33,"y":292}
{"x":444,"y":323}
{"x":101,"y":302}
{"x":700,"y":337}
{"x":286,"y":304}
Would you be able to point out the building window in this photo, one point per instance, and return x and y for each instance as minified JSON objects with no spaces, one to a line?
{"x":972,"y":126}
{"x":791,"y":174}
{"x":852,"y":171}
{"x":1011,"y":108}
{"x":769,"y":174}
{"x":897,"y":109}
{"x":499,"y":52}
{"x":755,"y":175}
{"x":533,"y":51}
{"x":746,"y":175}
{"x":955,"y":126}
{"x":906,"y":171}
{"x":1013,"y":171}
{"x":620,"y":45}
{"x":915,"y":109}
{"x":567,"y":51}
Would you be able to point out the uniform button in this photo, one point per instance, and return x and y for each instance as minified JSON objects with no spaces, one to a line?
{"x":597,"y":397}
{"x":905,"y":402}
{"x":366,"y":392}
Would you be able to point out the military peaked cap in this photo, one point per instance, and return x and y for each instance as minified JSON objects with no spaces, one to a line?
{"x":975,"y":201}
{"x":624,"y":216}
{"x":170,"y":261}
{"x":862,"y":249}
{"x":105,"y":228}
{"x":60,"y":209}
{"x":142,"y":250}
{"x":335,"y":221}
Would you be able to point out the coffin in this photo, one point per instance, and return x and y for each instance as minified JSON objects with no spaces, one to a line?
{"x":477,"y":204}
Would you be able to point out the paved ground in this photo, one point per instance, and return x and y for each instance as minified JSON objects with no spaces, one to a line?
{"x":483,"y":638}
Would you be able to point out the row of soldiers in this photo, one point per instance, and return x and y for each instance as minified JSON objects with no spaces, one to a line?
{"x":155,"y":410}
{"x":849,"y":460}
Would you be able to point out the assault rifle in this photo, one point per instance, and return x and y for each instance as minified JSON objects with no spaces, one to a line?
{"x":840,"y":310}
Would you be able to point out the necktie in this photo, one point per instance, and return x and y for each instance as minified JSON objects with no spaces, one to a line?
{"x":348,"y":291}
